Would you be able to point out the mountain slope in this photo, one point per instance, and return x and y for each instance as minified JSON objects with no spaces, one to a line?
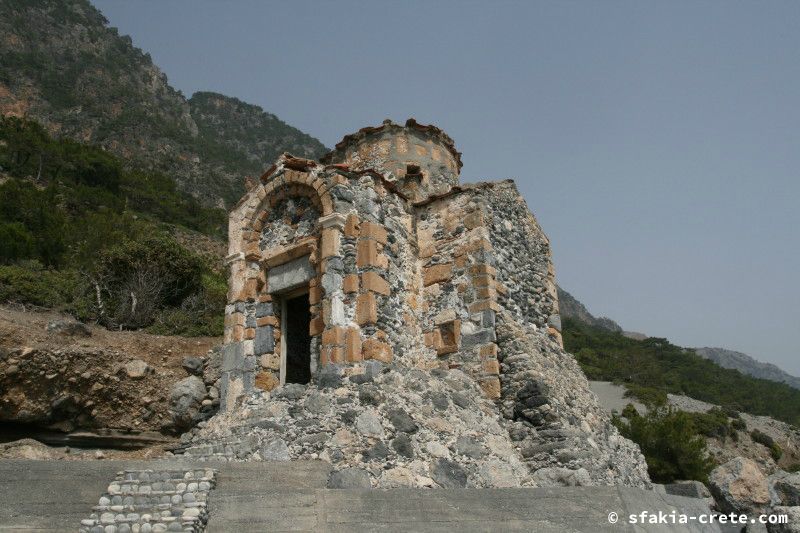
{"x":748,"y":365}
{"x":570,"y":307}
{"x":62,"y":65}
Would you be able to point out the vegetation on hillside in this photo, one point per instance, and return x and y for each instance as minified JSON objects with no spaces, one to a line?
{"x":64,"y":66}
{"x":80,"y":233}
{"x":654,"y":366}
{"x":670,"y":442}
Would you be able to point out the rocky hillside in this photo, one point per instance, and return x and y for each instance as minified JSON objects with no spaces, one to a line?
{"x":570,"y":307}
{"x":747,"y":365}
{"x":62,"y":65}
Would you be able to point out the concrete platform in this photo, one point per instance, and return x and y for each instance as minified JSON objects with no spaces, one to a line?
{"x":250,"y":497}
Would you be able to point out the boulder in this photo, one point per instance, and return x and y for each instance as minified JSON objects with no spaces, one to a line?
{"x":739,"y":486}
{"x":689,"y":488}
{"x":793,"y":522}
{"x":785,"y":489}
{"x":69,"y":327}
{"x":185,"y":401}
{"x":193,"y":365}
{"x":137,"y":369}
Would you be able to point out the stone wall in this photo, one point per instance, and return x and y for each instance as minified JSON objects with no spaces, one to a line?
{"x":458,"y":274}
{"x":526,"y":284}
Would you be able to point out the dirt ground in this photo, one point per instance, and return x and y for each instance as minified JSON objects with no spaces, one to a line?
{"x":71,"y":382}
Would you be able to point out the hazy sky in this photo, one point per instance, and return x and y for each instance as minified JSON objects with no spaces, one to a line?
{"x":658,"y":144}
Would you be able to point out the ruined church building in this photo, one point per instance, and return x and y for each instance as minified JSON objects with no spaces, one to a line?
{"x":376,"y":255}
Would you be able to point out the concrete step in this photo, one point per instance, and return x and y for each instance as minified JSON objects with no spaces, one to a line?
{"x":250,"y":497}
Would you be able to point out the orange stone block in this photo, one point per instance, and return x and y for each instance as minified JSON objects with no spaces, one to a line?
{"x":375,"y":349}
{"x":474,"y":220}
{"x":374,"y":231}
{"x":330,"y":242}
{"x":267,"y":321}
{"x":372,"y":281}
{"x":350,"y":283}
{"x":334,"y":335}
{"x":437,"y":274}
{"x":238,"y":333}
{"x":314,"y":295}
{"x":482,"y":280}
{"x":491,"y":366}
{"x":351,"y":227}
{"x":367,"y":253}
{"x":489,"y":350}
{"x":250,"y":333}
{"x":352,"y":346}
{"x":491,"y":387}
{"x":316,"y":326}
{"x":266,"y":380}
{"x":366,"y":309}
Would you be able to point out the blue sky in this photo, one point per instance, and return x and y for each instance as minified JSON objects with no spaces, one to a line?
{"x":657,"y":143}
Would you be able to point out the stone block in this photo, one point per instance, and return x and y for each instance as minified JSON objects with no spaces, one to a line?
{"x":314,"y":295}
{"x":350,"y":283}
{"x":366,"y":309}
{"x":316,"y":326}
{"x":372,"y":281}
{"x":374,"y":231}
{"x":445,"y":316}
{"x":366,"y":253}
{"x":377,"y":350}
{"x":267,"y":321}
{"x":271,"y":361}
{"x":491,"y":366}
{"x":353,"y":345}
{"x":232,"y":357}
{"x":491,"y":387}
{"x":437,"y":274}
{"x":266,"y":380}
{"x":293,"y":274}
{"x":264,"y":340}
{"x":330,"y":242}
{"x":351,"y":227}
{"x":482,"y":336}
{"x":250,"y":333}
{"x":334,"y":335}
{"x":263,"y":309}
{"x":489,"y":350}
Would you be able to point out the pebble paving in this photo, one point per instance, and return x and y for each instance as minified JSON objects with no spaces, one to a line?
{"x":153,"y":501}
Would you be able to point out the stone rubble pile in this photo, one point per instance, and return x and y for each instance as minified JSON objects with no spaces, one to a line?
{"x":388,"y":427}
{"x":554,"y":420}
{"x":153,"y":501}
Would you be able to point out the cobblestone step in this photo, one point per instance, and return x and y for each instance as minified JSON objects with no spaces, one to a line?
{"x":153,"y":501}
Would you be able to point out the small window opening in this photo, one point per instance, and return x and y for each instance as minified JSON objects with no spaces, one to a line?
{"x":413,"y":171}
{"x":297,"y":339}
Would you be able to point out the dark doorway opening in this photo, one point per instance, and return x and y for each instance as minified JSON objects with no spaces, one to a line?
{"x":298,"y":340}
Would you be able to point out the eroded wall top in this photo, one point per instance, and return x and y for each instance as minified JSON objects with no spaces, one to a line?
{"x":421,"y":159}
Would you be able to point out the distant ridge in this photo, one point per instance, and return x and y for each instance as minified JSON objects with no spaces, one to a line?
{"x":748,"y":365}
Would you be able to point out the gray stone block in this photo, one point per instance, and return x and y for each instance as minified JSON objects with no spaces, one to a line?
{"x":290,"y":275}
{"x":265,"y":340}
{"x":232,"y":356}
{"x":263,"y":309}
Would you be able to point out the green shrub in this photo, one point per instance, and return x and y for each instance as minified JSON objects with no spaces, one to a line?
{"x":738,"y":424}
{"x":762,"y":438}
{"x":31,"y":284}
{"x":670,"y":443}
{"x":647,"y":395}
{"x":713,"y":423}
